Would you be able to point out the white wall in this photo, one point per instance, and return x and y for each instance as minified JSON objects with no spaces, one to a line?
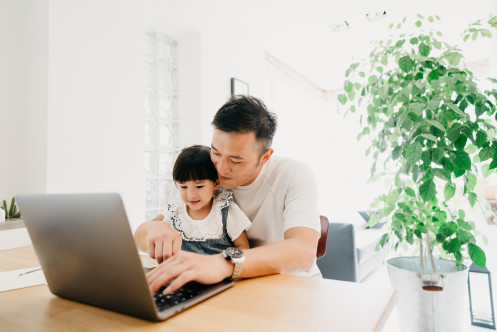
{"x":72,"y":98}
{"x":211,"y":51}
{"x":95,"y":100}
{"x":190,"y":88}
{"x":23,"y":100}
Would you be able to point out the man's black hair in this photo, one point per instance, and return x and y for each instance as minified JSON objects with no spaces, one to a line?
{"x":194,"y":164}
{"x":245,"y":114}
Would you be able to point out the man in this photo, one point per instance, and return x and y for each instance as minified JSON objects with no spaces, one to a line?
{"x":277,"y":194}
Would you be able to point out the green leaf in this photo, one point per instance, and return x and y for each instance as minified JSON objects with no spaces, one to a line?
{"x":485,"y":171}
{"x":372,"y":79}
{"x":374,"y":220}
{"x":472,"y":199}
{"x":449,"y":191}
{"x":424,"y":49}
{"x":470,"y":182}
{"x":477,"y":255}
{"x":396,"y":152}
{"x":348,"y":86}
{"x":433,"y":75}
{"x":442,"y":173}
{"x":486,"y":153}
{"x":456,"y":109}
{"x":461,"y":160}
{"x":384,"y":239}
{"x":481,"y":138}
{"x":413,"y":153}
{"x":400,"y":43}
{"x":418,"y":23}
{"x":447,"y":229}
{"x":460,"y":143}
{"x":437,"y":155}
{"x":428,"y":190}
{"x":406,"y":64}
{"x":430,"y":137}
{"x":342,"y":98}
{"x":471,"y":148}
{"x":410,"y":192}
{"x":453,"y":133}
{"x":351,"y":95}
{"x":436,"y":124}
{"x":486,"y":33}
{"x":414,"y":40}
{"x":453,"y":245}
{"x":493,"y":164}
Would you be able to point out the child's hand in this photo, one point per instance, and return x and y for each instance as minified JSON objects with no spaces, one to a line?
{"x":162,"y":241}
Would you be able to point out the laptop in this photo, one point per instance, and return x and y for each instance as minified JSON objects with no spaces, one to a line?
{"x":87,"y":252}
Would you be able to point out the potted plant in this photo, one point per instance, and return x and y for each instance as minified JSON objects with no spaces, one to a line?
{"x":430,"y":123}
{"x":12,"y":212}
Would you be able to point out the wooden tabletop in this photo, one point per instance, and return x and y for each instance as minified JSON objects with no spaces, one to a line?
{"x":273,"y":303}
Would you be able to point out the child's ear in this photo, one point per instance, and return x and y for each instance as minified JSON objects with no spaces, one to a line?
{"x":217,"y":184}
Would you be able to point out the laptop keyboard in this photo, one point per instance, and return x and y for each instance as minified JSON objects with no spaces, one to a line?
{"x":188,"y":291}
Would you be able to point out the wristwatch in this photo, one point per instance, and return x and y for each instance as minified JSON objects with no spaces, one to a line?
{"x":237,"y":257}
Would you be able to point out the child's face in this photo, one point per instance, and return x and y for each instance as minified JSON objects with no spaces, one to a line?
{"x":197,"y":195}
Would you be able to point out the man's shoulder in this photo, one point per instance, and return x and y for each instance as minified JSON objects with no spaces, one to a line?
{"x":287,"y":168}
{"x":279,"y":164}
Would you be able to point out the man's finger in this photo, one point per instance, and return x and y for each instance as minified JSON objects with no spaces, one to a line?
{"x":181,"y":280}
{"x":164,"y":276}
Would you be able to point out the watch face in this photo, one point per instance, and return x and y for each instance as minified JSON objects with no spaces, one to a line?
{"x":234,"y":252}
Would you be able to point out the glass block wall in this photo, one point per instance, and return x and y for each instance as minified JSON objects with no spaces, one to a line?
{"x":161,"y":121}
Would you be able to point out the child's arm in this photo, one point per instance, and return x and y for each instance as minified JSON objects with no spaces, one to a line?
{"x":242,"y":242}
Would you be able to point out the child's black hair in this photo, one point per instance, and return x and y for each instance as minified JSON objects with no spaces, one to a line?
{"x":194,"y":164}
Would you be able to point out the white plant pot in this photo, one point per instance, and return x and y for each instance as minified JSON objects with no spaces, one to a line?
{"x":429,"y":302}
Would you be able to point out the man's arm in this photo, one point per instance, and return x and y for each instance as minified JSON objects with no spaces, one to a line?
{"x":296,"y":252}
{"x":158,"y":239}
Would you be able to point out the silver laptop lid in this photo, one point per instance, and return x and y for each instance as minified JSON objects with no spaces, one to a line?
{"x":86,"y":249}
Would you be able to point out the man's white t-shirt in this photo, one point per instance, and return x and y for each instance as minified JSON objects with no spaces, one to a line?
{"x":283,"y":196}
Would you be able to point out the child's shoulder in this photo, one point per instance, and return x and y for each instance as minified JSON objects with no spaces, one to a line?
{"x":222,"y":198}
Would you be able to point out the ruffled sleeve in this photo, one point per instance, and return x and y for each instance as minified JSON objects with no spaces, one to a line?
{"x":168,"y":212}
{"x":237,"y":222}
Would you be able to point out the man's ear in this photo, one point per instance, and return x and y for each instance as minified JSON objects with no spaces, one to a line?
{"x":265,"y":157}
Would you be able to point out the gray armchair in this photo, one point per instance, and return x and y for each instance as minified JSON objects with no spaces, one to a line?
{"x":350,"y":254}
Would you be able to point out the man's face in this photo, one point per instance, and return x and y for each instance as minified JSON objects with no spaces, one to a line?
{"x":237,"y":158}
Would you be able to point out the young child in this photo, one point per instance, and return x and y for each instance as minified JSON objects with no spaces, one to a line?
{"x":206,"y":217}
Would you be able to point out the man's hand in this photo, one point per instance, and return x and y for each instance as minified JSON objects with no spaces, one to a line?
{"x":186,"y":266}
{"x":159,"y":240}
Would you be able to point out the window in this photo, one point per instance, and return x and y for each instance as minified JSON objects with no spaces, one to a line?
{"x":161,"y":121}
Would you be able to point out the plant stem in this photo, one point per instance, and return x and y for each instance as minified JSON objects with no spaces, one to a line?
{"x":430,"y":253}
{"x":422,"y":264}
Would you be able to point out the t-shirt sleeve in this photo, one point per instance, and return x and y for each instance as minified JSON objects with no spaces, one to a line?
{"x":236,"y":222}
{"x":301,"y":200}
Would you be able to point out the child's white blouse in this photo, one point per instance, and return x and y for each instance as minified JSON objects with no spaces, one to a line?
{"x":212,"y":226}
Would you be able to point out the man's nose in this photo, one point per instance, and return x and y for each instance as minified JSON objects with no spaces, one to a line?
{"x":222,"y":166}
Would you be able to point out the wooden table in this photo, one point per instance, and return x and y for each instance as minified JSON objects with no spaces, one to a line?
{"x":273,"y":303}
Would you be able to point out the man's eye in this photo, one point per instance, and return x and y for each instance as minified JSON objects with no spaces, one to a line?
{"x":236,"y":162}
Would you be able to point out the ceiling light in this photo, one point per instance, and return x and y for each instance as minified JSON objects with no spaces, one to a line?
{"x":344,"y":25}
{"x":376,"y":14}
